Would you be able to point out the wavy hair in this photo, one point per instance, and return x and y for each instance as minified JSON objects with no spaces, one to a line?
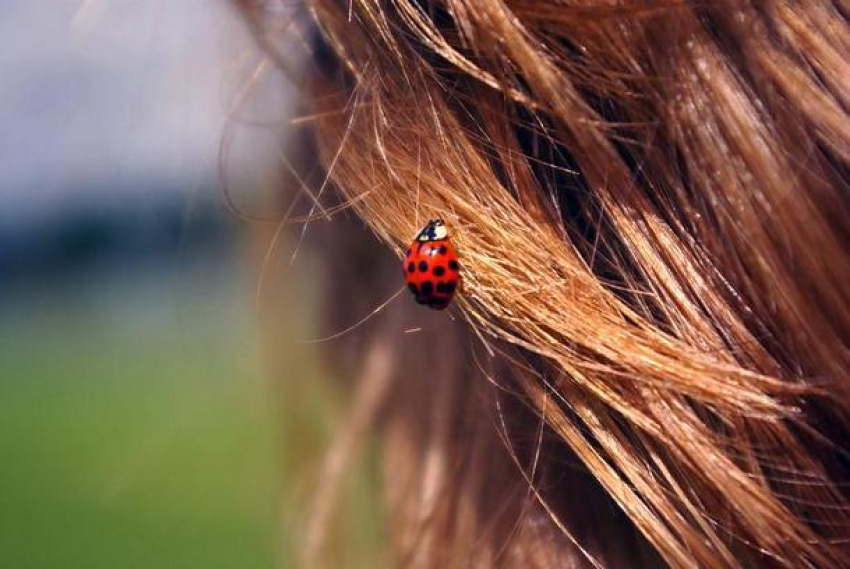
{"x":649,"y":360}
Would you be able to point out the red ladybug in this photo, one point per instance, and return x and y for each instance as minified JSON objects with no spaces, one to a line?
{"x":431,"y":270}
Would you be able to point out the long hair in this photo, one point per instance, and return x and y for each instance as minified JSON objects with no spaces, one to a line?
{"x":649,"y":360}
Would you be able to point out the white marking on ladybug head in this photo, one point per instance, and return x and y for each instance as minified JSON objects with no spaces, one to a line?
{"x":440,"y":231}
{"x":433,"y":231}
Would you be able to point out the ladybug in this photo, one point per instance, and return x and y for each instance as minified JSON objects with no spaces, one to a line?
{"x":431,"y":270}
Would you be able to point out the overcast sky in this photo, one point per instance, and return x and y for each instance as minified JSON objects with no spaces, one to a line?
{"x":96,"y":95}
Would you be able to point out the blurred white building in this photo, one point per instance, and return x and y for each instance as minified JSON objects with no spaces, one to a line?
{"x":102,"y":100}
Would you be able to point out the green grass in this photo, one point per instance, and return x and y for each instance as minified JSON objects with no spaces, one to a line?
{"x":128,"y":445}
{"x":139,"y":430}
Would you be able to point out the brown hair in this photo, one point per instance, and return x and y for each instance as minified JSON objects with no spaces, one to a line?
{"x":650,"y":202}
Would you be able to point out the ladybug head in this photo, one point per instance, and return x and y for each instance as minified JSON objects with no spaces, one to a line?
{"x":434,"y":230}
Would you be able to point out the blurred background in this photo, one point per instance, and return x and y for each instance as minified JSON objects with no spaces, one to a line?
{"x":140,"y":425}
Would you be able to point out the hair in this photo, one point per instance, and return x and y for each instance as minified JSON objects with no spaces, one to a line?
{"x":649,"y":360}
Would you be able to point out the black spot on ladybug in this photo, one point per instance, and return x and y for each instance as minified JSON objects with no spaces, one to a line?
{"x":412,"y":288}
{"x":446,"y":288}
{"x":427,"y":288}
{"x":439,"y":271}
{"x":411,"y":267}
{"x":453,"y":265}
{"x":443,"y":250}
{"x":423,"y":266}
